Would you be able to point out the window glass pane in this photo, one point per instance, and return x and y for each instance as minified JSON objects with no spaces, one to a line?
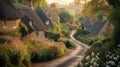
{"x":14,"y":25}
{"x":4,"y":24}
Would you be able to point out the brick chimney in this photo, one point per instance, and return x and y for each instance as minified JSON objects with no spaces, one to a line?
{"x":30,"y":4}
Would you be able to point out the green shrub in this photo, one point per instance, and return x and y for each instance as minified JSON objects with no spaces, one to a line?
{"x":97,"y":44}
{"x":10,"y":56}
{"x":46,"y":54}
{"x":14,"y":32}
{"x":23,"y":29}
{"x":51,"y":35}
{"x":69,"y":44}
{"x":4,"y":41}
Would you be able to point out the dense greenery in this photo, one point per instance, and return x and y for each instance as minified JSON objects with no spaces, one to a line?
{"x":69,"y":44}
{"x":52,"y":36}
{"x":115,"y":19}
{"x":13,"y":56}
{"x":94,"y":7}
{"x":41,"y":51}
{"x":105,"y":53}
{"x":85,"y":37}
{"x":36,"y":3}
{"x":65,"y":17}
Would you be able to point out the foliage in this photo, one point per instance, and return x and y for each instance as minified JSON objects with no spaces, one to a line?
{"x":41,"y":3}
{"x":114,"y":3}
{"x":45,"y":50}
{"x":13,"y":32}
{"x":69,"y":44}
{"x":11,"y":56}
{"x":94,"y":7}
{"x":65,"y":30}
{"x":84,"y":37}
{"x":36,"y":3}
{"x":60,"y":29}
{"x":23,"y":29}
{"x":52,"y":36}
{"x":2,"y":40}
{"x":109,"y":60}
{"x":65,"y":17}
{"x":115,"y":19}
{"x":47,"y":54}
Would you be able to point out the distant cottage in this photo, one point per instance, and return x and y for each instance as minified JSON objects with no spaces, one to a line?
{"x":43,"y":17}
{"x":86,"y":23}
{"x":99,"y":27}
{"x":32,"y":21}
{"x":9,"y":16}
{"x":53,"y":15}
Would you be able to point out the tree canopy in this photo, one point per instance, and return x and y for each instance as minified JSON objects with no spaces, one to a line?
{"x":36,"y":3}
{"x":65,"y":17}
{"x":93,"y":7}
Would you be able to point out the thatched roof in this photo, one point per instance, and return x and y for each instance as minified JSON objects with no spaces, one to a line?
{"x":51,"y":13}
{"x":30,"y":15}
{"x":86,"y":23}
{"x":8,"y":11}
{"x":98,"y":25}
{"x":43,"y":17}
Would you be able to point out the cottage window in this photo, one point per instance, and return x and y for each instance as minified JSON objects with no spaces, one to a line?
{"x":14,"y":24}
{"x":5,"y":24}
{"x":49,"y":16}
{"x":47,"y":22}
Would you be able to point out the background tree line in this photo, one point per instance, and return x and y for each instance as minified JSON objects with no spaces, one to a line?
{"x":36,"y":3}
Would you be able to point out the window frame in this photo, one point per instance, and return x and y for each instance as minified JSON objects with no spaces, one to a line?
{"x":15,"y":24}
{"x":5,"y":24}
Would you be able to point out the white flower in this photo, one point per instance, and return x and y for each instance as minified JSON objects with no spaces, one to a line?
{"x":91,"y":66}
{"x":98,"y":53}
{"x":118,"y":56}
{"x":111,"y":57}
{"x":107,"y":62}
{"x":107,"y":66}
{"x":118,"y":65}
{"x":92,"y":61}
{"x":88,"y":57}
{"x":119,"y":62}
{"x":112,"y":62}
{"x":97,"y":65}
{"x":92,"y":53}
{"x":115,"y":58}
{"x":86,"y":63}
{"x":97,"y":57}
{"x":94,"y":64}
{"x":109,"y":52}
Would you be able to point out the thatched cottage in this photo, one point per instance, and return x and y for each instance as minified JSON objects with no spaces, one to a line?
{"x":43,"y":17}
{"x":53,"y":15}
{"x":99,"y":27}
{"x":9,"y":16}
{"x":32,"y":21}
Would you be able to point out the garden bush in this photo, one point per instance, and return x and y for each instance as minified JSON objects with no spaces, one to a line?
{"x":10,"y":56}
{"x":51,"y":35}
{"x":2,"y":40}
{"x":44,"y":51}
{"x":48,"y":53}
{"x":69,"y":44}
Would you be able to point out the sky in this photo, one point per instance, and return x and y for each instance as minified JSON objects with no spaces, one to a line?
{"x":60,"y":1}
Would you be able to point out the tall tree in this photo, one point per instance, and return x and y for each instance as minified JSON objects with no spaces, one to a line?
{"x":41,"y":3}
{"x":36,"y":3}
{"x":65,"y":17}
{"x":115,"y":19}
{"x":93,"y":7}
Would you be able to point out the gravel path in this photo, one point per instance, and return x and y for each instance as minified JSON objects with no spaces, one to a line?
{"x":72,"y":59}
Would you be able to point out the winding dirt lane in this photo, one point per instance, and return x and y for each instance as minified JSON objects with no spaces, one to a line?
{"x":72,"y":59}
